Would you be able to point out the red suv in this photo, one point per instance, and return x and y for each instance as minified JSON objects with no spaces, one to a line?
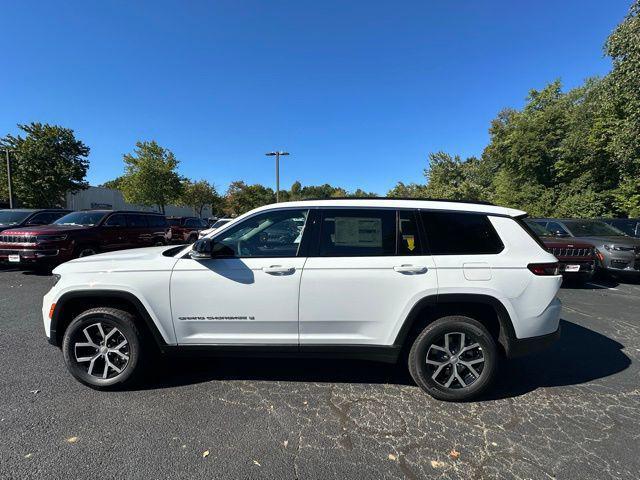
{"x":83,"y":233}
{"x":186,"y":229}
{"x":577,"y":259}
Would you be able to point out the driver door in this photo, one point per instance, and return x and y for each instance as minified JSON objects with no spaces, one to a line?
{"x":248,"y":292}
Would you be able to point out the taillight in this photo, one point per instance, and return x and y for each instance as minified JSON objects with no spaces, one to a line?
{"x":544,"y":268}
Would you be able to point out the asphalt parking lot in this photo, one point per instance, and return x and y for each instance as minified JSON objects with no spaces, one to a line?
{"x":570,"y":412}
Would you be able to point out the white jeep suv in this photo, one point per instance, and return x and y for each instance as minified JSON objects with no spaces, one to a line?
{"x":447,"y":287}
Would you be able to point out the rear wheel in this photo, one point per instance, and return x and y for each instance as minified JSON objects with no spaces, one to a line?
{"x":454,"y":358}
{"x":102,"y":348}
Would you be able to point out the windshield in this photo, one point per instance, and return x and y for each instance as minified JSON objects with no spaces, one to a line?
{"x":540,"y":230}
{"x":219,"y":223}
{"x":592,"y":228}
{"x":10,"y":217}
{"x":626,"y":225}
{"x":86,"y":219}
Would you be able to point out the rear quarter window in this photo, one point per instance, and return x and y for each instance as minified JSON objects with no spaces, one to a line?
{"x":460,"y":233}
{"x":157,"y":221}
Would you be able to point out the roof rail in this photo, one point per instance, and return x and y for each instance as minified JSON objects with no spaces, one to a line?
{"x":478,"y":202}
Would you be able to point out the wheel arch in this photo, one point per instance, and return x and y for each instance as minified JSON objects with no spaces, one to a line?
{"x":70,"y":304}
{"x":488,"y":310}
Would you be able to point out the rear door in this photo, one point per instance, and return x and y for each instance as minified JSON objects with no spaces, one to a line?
{"x":114,"y":233}
{"x":138,"y":233}
{"x":368,"y":269}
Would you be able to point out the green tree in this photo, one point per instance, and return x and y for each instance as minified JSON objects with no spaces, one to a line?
{"x":115,"y":184}
{"x":47,"y":163}
{"x":241,"y":198}
{"x":410,"y":190}
{"x":200,"y":194}
{"x":151,"y":176}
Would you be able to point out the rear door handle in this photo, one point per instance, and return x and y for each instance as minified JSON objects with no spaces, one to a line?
{"x":416,"y":269}
{"x":278,"y":270}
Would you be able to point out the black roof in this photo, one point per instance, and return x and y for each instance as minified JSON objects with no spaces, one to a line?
{"x":104,"y":210}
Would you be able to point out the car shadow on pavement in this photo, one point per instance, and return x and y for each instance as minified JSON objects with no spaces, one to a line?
{"x":580,"y":356}
{"x":571,"y":361}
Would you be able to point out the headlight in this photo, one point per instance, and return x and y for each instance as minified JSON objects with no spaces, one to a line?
{"x":51,"y":238}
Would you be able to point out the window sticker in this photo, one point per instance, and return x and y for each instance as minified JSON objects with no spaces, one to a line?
{"x":411,"y":241}
{"x":358,"y":232}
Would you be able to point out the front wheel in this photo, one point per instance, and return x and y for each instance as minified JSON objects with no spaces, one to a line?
{"x":454,"y":358}
{"x":102,"y":348}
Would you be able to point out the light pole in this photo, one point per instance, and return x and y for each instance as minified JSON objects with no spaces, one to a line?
{"x":277,"y":155}
{"x":6,"y":151}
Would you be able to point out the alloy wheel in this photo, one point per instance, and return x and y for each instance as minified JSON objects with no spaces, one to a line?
{"x":103,"y":352}
{"x":455,"y":360}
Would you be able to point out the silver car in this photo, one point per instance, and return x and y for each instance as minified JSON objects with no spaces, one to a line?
{"x":617,"y":252}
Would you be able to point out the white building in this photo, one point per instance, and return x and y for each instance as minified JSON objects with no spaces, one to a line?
{"x":108,"y":198}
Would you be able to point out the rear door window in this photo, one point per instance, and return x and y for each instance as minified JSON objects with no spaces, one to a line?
{"x":460,"y":233}
{"x":157,"y":221}
{"x":357,"y":233}
{"x":116,"y":220}
{"x":137,"y":221}
{"x":409,"y":242}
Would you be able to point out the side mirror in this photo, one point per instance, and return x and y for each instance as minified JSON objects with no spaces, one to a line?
{"x":202,"y":249}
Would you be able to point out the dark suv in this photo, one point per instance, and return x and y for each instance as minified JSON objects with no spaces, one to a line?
{"x":617,"y":253}
{"x":79,"y":234}
{"x":576,"y":259}
{"x":186,"y":229}
{"x":26,"y":217}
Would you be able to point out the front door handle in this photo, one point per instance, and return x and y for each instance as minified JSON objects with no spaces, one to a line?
{"x":415,"y":269}
{"x":278,"y":270}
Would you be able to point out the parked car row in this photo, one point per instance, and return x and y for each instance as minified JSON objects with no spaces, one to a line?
{"x":53,"y":236}
{"x":585,"y":246}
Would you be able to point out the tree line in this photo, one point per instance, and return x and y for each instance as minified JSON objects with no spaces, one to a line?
{"x":572,"y":153}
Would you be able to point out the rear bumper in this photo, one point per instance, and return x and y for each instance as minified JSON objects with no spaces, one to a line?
{"x":547,"y":326}
{"x":525,"y":346}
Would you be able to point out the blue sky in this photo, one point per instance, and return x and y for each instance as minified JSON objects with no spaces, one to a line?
{"x":359,"y":92}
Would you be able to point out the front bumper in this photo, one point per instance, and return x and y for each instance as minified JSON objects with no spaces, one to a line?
{"x":29,"y":255}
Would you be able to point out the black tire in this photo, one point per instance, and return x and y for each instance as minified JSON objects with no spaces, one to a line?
{"x":85,"y":251}
{"x":428,"y":346}
{"x":134,"y":349}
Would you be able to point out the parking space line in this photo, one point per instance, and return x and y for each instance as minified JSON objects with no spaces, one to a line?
{"x":601,"y":286}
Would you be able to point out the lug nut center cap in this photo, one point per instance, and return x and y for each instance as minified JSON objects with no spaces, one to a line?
{"x":454,"y":359}
{"x":103,"y":350}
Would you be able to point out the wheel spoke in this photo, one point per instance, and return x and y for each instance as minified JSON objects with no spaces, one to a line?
{"x":451,"y":378}
{"x":106,"y":368}
{"x":433,"y":362}
{"x":446,"y":343}
{"x":118,"y":352}
{"x":85,"y":359}
{"x":111,"y":332}
{"x":89,"y":339}
{"x":457,"y":375}
{"x":470,"y":347}
{"x":120,"y":345}
{"x":473,"y":362}
{"x":118,"y":370}
{"x":437,"y":372}
{"x":101,"y":330}
{"x":471,"y":369}
{"x":93,"y":362}
{"x":439,"y":348}
{"x":462,"y":340}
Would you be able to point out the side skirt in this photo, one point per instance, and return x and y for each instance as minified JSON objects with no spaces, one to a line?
{"x":379,"y":353}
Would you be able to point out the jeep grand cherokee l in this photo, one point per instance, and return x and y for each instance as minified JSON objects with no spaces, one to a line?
{"x":576,"y":259}
{"x":446,"y":287}
{"x":26,"y":217}
{"x":186,"y":229}
{"x":80,"y":234}
{"x":617,"y":253}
